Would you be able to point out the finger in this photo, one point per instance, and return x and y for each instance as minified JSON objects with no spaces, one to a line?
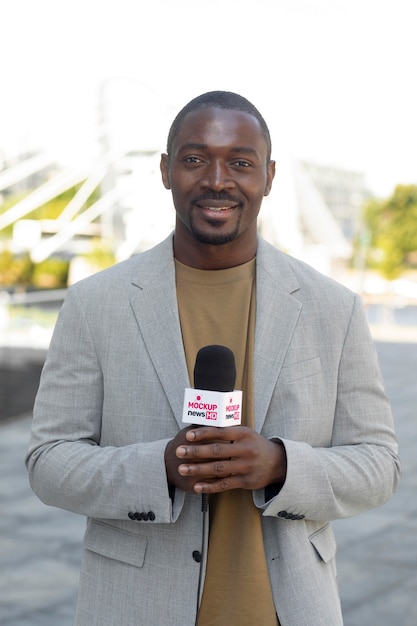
{"x":204,"y":433}
{"x":217,"y":486}
{"x":206,"y":470}
{"x":216,"y":450}
{"x":213,"y":433}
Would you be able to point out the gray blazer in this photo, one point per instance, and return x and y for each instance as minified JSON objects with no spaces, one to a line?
{"x":111,"y":398}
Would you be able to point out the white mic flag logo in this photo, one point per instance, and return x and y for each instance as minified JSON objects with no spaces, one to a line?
{"x":212,"y":408}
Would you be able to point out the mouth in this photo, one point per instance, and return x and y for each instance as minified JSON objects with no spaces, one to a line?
{"x":217,"y":206}
{"x":218,"y":209}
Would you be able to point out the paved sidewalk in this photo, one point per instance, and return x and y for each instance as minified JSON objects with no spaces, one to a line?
{"x":40,"y":547}
{"x":377,"y":551}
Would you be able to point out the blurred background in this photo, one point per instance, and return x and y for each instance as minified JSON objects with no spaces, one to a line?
{"x":88,"y":92}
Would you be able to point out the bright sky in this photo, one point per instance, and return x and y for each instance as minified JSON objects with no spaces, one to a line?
{"x":335,"y":79}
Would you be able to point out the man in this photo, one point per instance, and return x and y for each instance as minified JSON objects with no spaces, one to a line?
{"x":316,"y":441}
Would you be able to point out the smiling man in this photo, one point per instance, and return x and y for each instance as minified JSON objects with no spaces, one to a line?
{"x":218,"y":169}
{"x":316,"y":442}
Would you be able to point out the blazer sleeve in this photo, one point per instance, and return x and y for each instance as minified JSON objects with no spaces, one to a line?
{"x":360,"y":469}
{"x":67,"y":466}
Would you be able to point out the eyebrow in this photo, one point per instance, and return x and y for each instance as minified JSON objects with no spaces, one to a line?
{"x":236,"y":149}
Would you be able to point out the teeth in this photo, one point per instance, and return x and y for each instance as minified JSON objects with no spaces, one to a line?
{"x":222,"y":208}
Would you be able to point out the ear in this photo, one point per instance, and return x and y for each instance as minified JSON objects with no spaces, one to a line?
{"x":270,"y":173}
{"x":165,"y":171}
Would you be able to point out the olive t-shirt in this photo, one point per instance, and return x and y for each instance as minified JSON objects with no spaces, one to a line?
{"x":218,"y":307}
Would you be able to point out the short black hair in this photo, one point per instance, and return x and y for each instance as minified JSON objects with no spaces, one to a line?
{"x":219,"y":100}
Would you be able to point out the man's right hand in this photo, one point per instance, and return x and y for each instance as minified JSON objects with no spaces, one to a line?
{"x":172,"y":462}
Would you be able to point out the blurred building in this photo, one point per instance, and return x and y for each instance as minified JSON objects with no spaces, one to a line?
{"x":343,"y":191}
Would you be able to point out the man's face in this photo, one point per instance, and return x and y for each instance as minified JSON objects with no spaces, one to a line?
{"x":218,"y":174}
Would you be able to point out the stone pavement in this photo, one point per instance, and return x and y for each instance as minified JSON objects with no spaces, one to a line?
{"x":20,"y":369}
{"x":377,"y":551}
{"x":40,"y":547}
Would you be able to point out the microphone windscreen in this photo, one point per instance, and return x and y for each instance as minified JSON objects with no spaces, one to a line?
{"x":215,"y":369}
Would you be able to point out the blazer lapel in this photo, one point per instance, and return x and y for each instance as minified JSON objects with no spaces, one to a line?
{"x":277,"y":313}
{"x":156,"y":311}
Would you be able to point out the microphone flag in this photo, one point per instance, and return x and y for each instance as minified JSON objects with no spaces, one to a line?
{"x":213,"y":402}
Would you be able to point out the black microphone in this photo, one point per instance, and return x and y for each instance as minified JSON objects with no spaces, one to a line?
{"x":215,"y":369}
{"x":213,"y":401}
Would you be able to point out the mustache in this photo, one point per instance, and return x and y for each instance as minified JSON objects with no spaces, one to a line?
{"x":215,"y":195}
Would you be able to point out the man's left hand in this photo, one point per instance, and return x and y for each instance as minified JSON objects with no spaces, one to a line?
{"x":234,"y":457}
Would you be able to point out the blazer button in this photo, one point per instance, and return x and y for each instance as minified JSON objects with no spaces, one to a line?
{"x":197,"y":556}
{"x":282,"y":514}
{"x":136,"y":516}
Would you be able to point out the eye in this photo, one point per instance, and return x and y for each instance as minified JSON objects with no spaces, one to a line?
{"x":192,"y":159}
{"x":242,"y":163}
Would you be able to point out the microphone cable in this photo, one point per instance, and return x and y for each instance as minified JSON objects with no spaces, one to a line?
{"x":204,"y":542}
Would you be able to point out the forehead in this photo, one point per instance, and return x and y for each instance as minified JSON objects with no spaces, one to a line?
{"x":220,"y":128}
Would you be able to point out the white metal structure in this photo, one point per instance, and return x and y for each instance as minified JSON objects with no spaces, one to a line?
{"x":23,"y":169}
{"x":133,"y":206}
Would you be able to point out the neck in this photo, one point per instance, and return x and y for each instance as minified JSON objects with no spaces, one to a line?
{"x":189,"y":251}
{"x":213,"y":257}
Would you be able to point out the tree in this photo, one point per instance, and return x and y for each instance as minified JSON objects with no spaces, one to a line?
{"x":392,"y":227}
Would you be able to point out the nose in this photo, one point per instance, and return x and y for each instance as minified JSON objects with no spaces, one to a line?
{"x":217,"y":176}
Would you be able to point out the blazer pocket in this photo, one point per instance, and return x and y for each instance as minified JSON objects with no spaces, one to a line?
{"x":303,"y":369}
{"x":324,"y":542}
{"x":115,"y":543}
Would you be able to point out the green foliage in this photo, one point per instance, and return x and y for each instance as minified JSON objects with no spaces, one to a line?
{"x":50,"y":274}
{"x":15,"y":271}
{"x":101,"y":256}
{"x":18,"y":271}
{"x":392,"y":224}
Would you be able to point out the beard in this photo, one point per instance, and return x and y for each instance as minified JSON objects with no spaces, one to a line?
{"x":214,"y":239}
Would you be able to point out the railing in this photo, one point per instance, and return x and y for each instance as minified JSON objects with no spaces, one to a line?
{"x":28,"y":318}
{"x":32,"y":297}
